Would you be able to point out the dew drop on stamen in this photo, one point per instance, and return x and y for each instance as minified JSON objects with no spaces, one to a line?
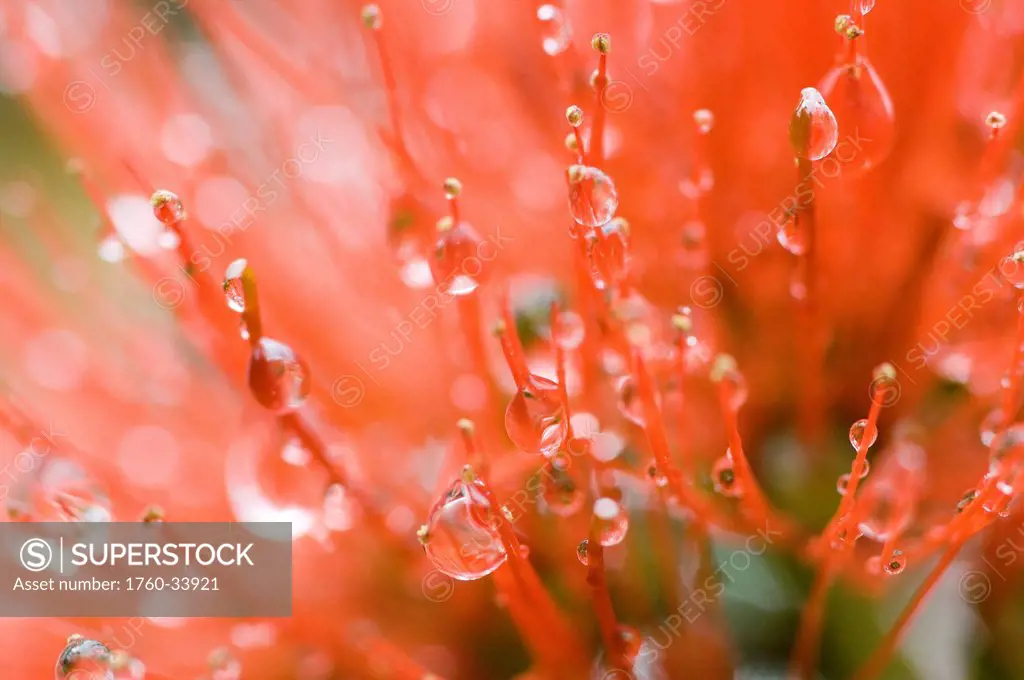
{"x":629,"y":402}
{"x":842,"y":483}
{"x":858,"y":431}
{"x":723,"y":477}
{"x":569,"y":331}
{"x":234,"y":289}
{"x":167,"y":207}
{"x":583,"y":551}
{"x":1012,"y":269}
{"x":612,"y":521}
{"x":866,"y":6}
{"x":592,"y":196}
{"x":608,"y":252}
{"x":461,"y":537}
{"x":726,"y":372}
{"x":555,"y":30}
{"x":791,"y":236}
{"x":864,"y":113}
{"x":83,"y":659}
{"x":813,"y":131}
{"x":896,"y":563}
{"x":456,"y":265}
{"x":535,"y":419}
{"x":278,"y":378}
{"x":990,"y":426}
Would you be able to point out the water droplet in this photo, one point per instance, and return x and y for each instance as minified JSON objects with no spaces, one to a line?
{"x":456,"y":265}
{"x":791,"y":236}
{"x":813,"y":131}
{"x":556,"y":29}
{"x":608,"y":253}
{"x":990,"y":425}
{"x":461,"y":536}
{"x":865,"y":469}
{"x":896,"y":563}
{"x":1012,"y":269}
{"x":864,"y":113}
{"x":167,"y":207}
{"x":234,"y":289}
{"x":592,"y":196}
{"x":243,"y":330}
{"x":372,"y":17}
{"x":223,"y":665}
{"x":842,"y":482}
{"x":536,"y":419}
{"x":111,"y":249}
{"x":726,"y":372}
{"x":568,"y":333}
{"x":83,"y":659}
{"x":629,"y":402}
{"x":723,"y":477}
{"x":858,"y":431}
{"x":278,"y":378}
{"x":583,"y":551}
{"x":866,"y":6}
{"x":612,"y":521}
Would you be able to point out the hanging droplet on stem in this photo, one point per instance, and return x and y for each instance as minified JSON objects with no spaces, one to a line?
{"x":167,"y":207}
{"x":234,"y":288}
{"x":535,"y":419}
{"x":726,"y":372}
{"x":608,"y":253}
{"x":278,"y":377}
{"x":456,"y":265}
{"x":372,"y":17}
{"x":612,"y":521}
{"x":583,"y":551}
{"x":896,"y":563}
{"x":461,"y":535}
{"x":723,"y":477}
{"x":83,"y":659}
{"x":861,"y":105}
{"x":813,"y":131}
{"x":858,"y":433}
{"x":592,"y":196}
{"x":791,"y":235}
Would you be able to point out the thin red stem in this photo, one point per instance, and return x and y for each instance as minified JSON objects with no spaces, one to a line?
{"x":515,"y":356}
{"x":602,"y":599}
{"x":597,"y":130}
